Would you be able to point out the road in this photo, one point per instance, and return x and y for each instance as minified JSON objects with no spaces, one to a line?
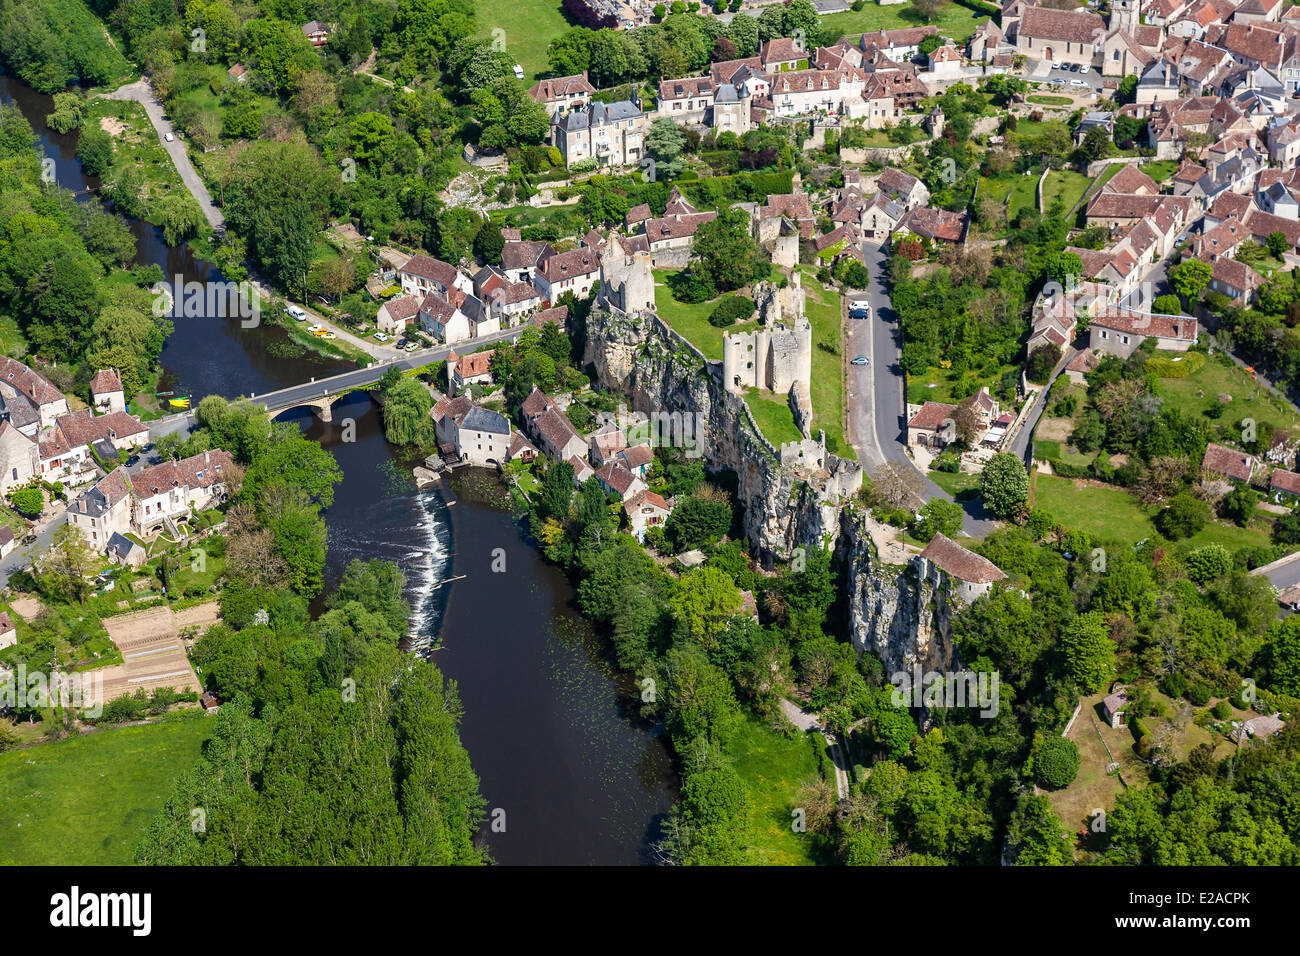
{"x":877,"y":429}
{"x":141,"y":92}
{"x":20,"y":557}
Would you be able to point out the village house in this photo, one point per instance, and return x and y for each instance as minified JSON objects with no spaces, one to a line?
{"x":646,"y":510}
{"x":932,"y":425}
{"x":905,"y":189}
{"x":1284,"y":486}
{"x":396,"y":314}
{"x":1235,"y":279}
{"x":318,"y":33}
{"x":7,"y":542}
{"x":472,"y":433}
{"x":466,"y":370}
{"x":8,"y":633}
{"x":550,"y":428}
{"x":66,"y":447}
{"x":938,"y":225}
{"x":970,"y":575}
{"x":574,"y":271}
{"x":457,"y":318}
{"x":613,"y":134}
{"x":521,"y":258}
{"x":1112,"y":706}
{"x":616,"y":479}
{"x":106,"y":392}
{"x":28,"y":400}
{"x":1121,"y":331}
{"x":1230,"y":463}
{"x":424,"y":274}
{"x":19,"y":457}
{"x":563,"y":94}
{"x":605,"y":443}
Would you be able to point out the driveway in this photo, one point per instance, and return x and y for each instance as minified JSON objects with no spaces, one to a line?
{"x":875,"y":392}
{"x":142,"y":93}
{"x":20,"y":557}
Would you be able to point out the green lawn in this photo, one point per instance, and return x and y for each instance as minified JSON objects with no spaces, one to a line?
{"x":87,"y":800}
{"x":691,"y":319}
{"x":1047,"y":99}
{"x":1114,"y":515}
{"x":1201,"y":390}
{"x":955,"y":482}
{"x":955,"y":22}
{"x":773,"y":415}
{"x":773,"y":768}
{"x":944,"y":385}
{"x":1066,"y":185}
{"x":1160,"y":169}
{"x":528,"y":28}
{"x":1024,"y":194}
{"x":826,"y":316}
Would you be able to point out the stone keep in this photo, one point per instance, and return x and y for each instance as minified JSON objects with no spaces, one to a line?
{"x":773,"y":358}
{"x":626,"y":282}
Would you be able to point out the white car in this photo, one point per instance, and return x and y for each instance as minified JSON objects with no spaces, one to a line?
{"x":313,"y":329}
{"x":1056,"y":65}
{"x":1077,"y":82}
{"x":519,"y":72}
{"x":296,"y":312}
{"x":381,"y":336}
{"x":169,"y":137}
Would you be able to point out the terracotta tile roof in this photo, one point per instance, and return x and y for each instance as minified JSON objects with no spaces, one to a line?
{"x":931,"y":415}
{"x":106,"y":380}
{"x":28,"y":382}
{"x":676,"y":227}
{"x":1236,"y":274}
{"x":480,"y":363}
{"x":558,"y":315}
{"x":936,"y":223}
{"x":645,"y":498}
{"x":616,"y":476}
{"x":524,"y":254}
{"x":83,"y":428}
{"x":1065,"y":26}
{"x":960,"y":563}
{"x":567,"y":265}
{"x":896,"y":182}
{"x":780,"y":50}
{"x":686,"y":87}
{"x":1283,"y":480}
{"x":561,"y":87}
{"x":427,"y":267}
{"x":198,"y":471}
{"x":1228,"y":462}
{"x":637,"y":456}
{"x":402,"y":307}
{"x":1263,"y":224}
{"x":1084,"y":362}
{"x":1131,"y":180}
{"x":1180,"y":327}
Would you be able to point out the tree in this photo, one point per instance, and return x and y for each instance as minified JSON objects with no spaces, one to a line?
{"x":67,"y":565}
{"x":557,"y":490}
{"x":1035,"y":834}
{"x":406,"y":412}
{"x":666,"y":141}
{"x":1089,"y":652}
{"x":30,"y":501}
{"x":929,"y":9}
{"x":295,"y":461}
{"x":699,"y":520}
{"x":1041,"y":362}
{"x":725,"y":255}
{"x":1096,"y":143}
{"x":1189,"y":278}
{"x":1004,"y":484}
{"x":1182,"y":517}
{"x":1057,"y":762}
{"x":938,"y":516}
{"x":1277,"y":243}
{"x":703,"y":602}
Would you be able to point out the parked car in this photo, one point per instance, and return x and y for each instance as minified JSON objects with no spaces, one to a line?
{"x":169,"y":137}
{"x":1077,"y":82}
{"x":1085,"y":69}
{"x":28,"y":539}
{"x":1056,"y":64}
{"x":519,"y":72}
{"x":133,"y":461}
{"x":296,"y":312}
{"x":860,"y":360}
{"x":412,"y":347}
{"x":862,"y":311}
{"x":381,"y":336}
{"x":400,"y":344}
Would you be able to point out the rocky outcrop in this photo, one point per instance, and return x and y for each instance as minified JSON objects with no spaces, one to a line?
{"x":791,"y":496}
{"x":901,"y":613}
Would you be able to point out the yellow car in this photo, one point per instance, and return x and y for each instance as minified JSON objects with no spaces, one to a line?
{"x":322,"y":332}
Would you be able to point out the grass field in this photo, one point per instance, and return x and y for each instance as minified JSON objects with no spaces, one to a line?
{"x":955,"y":482}
{"x":1047,"y":99}
{"x":773,"y":415}
{"x":773,"y":768}
{"x":691,"y":319}
{"x":86,"y":801}
{"x":1066,"y":185}
{"x":954,"y":22}
{"x":1201,"y":390}
{"x":528,"y":28}
{"x":826,"y":316}
{"x":1160,"y":169}
{"x":1113,"y":515}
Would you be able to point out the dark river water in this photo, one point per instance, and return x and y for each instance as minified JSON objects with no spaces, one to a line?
{"x":570,"y":773}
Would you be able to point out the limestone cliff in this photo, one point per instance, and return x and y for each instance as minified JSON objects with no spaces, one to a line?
{"x":900,"y":612}
{"x":791,"y":495}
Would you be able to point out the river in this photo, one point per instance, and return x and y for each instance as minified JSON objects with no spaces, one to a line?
{"x":571,"y":774}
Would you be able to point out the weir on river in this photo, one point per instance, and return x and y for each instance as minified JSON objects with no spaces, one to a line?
{"x":551,"y":727}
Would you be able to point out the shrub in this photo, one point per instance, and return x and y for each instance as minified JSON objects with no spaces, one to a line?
{"x":731,"y":309}
{"x":1199,"y":694}
{"x":1168,"y":305}
{"x":1207,"y":563}
{"x":1183,"y":517}
{"x":1057,"y":763}
{"x":1222,"y":710}
{"x":1175,"y":684}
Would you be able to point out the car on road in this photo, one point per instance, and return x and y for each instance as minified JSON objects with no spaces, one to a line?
{"x":1056,"y":64}
{"x":296,"y":312}
{"x":28,"y":539}
{"x":169,"y":137}
{"x":328,"y":335}
{"x":1073,"y":68}
{"x":860,"y":360}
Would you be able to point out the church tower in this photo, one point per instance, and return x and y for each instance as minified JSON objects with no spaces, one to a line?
{"x":1125,"y":15}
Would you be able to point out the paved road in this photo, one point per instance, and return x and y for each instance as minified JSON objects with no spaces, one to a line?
{"x":142,"y":93}
{"x":875,"y":393}
{"x":20,"y":557}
